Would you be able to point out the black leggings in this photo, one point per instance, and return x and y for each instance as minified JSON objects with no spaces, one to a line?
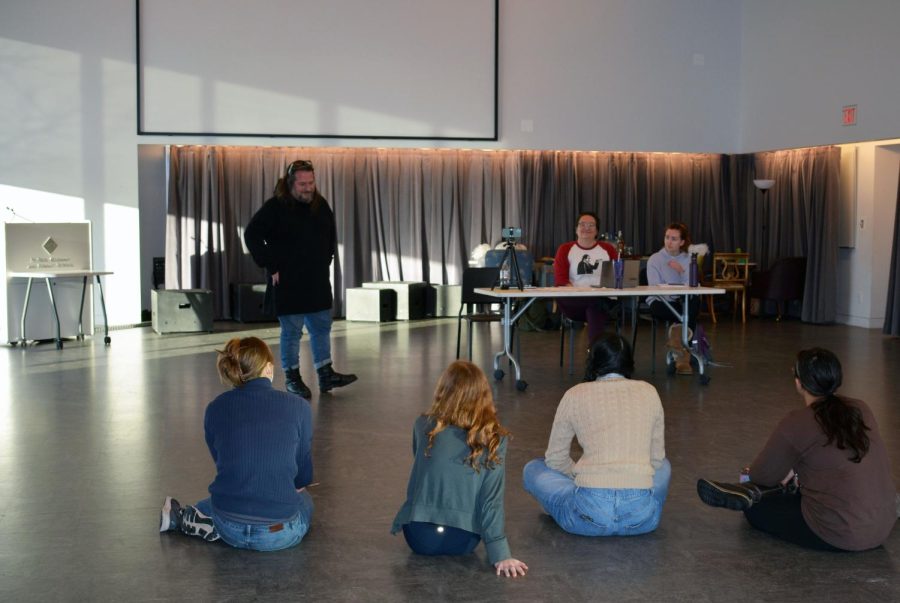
{"x":780,"y":515}
{"x":433,"y":539}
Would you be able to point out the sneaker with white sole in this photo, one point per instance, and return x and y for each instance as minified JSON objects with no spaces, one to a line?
{"x":170,"y":516}
{"x":195,"y":523}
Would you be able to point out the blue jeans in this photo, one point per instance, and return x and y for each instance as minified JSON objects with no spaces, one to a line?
{"x":261,"y":537}
{"x":318,"y":324}
{"x":598,"y":511}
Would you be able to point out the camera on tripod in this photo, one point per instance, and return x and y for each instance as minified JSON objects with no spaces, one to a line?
{"x":511,"y":234}
{"x":509,"y":265}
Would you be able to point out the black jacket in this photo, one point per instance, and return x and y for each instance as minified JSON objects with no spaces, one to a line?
{"x":287,"y":237}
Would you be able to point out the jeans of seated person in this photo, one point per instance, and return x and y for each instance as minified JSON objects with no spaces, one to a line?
{"x":598,"y":511}
{"x":261,"y":537}
{"x":432,"y":539}
{"x":318,"y":325}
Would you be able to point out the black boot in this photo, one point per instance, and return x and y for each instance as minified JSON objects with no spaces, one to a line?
{"x":328,"y":379}
{"x":293,"y":382}
{"x":738,"y":497}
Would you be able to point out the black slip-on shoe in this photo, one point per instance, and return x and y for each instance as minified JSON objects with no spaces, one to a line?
{"x":730,"y":496}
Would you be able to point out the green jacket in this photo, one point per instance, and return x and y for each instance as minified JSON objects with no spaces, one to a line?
{"x":444,"y":490}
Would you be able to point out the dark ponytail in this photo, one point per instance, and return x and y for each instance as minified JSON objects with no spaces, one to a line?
{"x":819,"y":372}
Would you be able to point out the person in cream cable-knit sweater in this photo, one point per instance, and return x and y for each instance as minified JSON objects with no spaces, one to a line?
{"x":619,"y":484}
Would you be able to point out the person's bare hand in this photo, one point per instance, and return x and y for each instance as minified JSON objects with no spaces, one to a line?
{"x":511,"y":568}
{"x":275,"y":279}
{"x":674,"y":265}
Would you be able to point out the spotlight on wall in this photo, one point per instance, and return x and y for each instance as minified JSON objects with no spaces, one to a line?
{"x":763,"y":184}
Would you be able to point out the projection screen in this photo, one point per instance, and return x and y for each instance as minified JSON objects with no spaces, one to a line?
{"x":318,"y":68}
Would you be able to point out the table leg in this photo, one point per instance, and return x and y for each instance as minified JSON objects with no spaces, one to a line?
{"x":25,"y":311}
{"x":508,"y":321}
{"x":695,"y":352}
{"x":685,"y":339}
{"x":59,"y":343}
{"x":81,"y":309}
{"x":106,"y":338}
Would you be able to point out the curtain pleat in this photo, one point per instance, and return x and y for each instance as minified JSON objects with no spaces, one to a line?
{"x":416,"y":214}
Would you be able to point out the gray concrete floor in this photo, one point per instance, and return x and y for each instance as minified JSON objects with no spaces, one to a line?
{"x":93,"y":438}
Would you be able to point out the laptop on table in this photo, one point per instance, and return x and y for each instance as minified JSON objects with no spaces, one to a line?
{"x":608,"y":275}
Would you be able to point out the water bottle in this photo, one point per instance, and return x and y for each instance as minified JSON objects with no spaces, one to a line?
{"x":504,"y":274}
{"x":694,"y":272}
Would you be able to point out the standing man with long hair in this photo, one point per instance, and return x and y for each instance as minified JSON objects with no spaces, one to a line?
{"x":293,"y":236}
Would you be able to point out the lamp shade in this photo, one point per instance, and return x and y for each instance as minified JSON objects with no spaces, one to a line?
{"x":763,"y":184}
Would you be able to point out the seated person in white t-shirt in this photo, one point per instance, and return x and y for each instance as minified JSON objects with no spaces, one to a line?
{"x":578,"y":264}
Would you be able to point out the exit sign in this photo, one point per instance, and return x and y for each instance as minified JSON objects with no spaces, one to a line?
{"x":848,"y":115}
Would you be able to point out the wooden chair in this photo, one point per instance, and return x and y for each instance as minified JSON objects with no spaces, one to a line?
{"x":731,"y":271}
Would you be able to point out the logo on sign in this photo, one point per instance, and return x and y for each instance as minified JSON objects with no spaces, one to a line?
{"x":848,"y":115}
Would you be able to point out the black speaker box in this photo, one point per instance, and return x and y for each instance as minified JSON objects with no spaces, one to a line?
{"x":248,"y":303}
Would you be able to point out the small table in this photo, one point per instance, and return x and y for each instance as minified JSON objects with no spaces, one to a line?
{"x":57,"y":274}
{"x":529,"y":294}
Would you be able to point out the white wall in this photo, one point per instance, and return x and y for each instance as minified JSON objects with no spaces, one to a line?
{"x":651,"y":75}
{"x":803,"y":60}
{"x":67,"y":124}
{"x":863,"y":271}
{"x":620,"y":74}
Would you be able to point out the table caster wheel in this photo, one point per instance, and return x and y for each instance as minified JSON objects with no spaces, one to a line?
{"x":59,"y":345}
{"x":13,"y":343}
{"x":704,"y":379}
{"x":498,"y":374}
{"x":670,"y":369}
{"x":107,"y":340}
{"x":521,"y":385}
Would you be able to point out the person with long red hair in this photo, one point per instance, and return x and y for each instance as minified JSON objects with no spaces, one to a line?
{"x":454,"y":499}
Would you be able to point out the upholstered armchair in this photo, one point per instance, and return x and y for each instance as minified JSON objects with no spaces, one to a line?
{"x":782,"y":282}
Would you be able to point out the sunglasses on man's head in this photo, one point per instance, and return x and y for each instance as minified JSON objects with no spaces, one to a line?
{"x":301,"y":164}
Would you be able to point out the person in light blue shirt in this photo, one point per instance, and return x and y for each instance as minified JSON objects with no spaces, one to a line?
{"x":671,"y":266}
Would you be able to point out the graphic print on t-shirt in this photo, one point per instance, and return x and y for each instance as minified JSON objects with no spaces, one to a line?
{"x":585,"y":266}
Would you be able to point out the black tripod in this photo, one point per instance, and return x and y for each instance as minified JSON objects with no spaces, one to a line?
{"x":509,"y":255}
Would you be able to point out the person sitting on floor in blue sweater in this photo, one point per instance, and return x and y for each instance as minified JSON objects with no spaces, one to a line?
{"x":260,"y":440}
{"x":454,"y":499}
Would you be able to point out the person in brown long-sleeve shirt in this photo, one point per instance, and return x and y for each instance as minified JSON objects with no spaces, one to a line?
{"x":823,"y":480}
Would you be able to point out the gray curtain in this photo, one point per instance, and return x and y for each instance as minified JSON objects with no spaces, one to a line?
{"x":798,"y":216}
{"x":416,"y":214}
{"x":401,"y":214}
{"x":892,"y":309}
{"x":637,"y":193}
